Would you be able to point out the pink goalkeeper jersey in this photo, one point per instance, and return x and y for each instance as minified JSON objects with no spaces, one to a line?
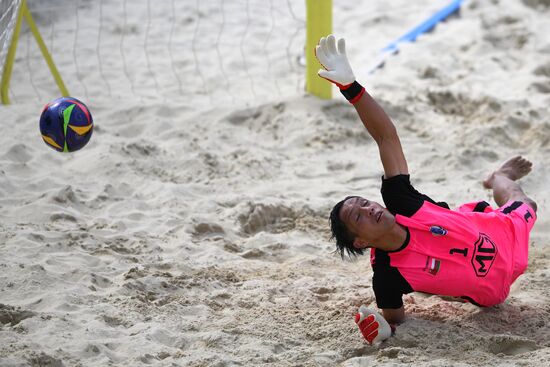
{"x":462,"y":253}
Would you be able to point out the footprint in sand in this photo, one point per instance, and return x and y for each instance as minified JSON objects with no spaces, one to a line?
{"x":91,"y":350}
{"x":267,"y":217}
{"x":141,"y":149}
{"x":542,"y":70}
{"x":257,"y":118}
{"x":232,"y":248}
{"x":203,"y":230}
{"x":457,"y":104}
{"x":19,"y":153}
{"x":511,"y":346}
{"x":43,"y":359}
{"x":13,"y":316}
{"x":100,"y":281}
{"x":276,"y":252}
{"x":62,"y":217}
{"x":322,"y":293}
{"x":65,"y":195}
{"x":543,"y":88}
{"x":255,"y":254}
{"x":537,"y":4}
{"x":241,"y":117}
{"x":334,"y":166}
{"x":115,"y":321}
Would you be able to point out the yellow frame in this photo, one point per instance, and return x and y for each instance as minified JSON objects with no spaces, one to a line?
{"x":8,"y":68}
{"x":319,"y":24}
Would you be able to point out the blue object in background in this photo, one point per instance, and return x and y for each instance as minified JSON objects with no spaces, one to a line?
{"x":423,"y":27}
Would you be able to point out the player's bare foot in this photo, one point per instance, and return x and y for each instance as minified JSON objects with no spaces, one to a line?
{"x":514,"y":168}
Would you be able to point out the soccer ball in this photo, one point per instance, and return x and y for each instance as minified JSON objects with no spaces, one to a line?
{"x":66,"y":124}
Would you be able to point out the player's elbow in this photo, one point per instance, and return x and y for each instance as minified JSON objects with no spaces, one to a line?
{"x":532,"y":204}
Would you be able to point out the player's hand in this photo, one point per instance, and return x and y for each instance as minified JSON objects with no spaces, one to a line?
{"x":335,"y":61}
{"x":372,"y":325}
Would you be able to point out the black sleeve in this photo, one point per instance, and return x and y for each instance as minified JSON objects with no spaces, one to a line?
{"x":400,"y":197}
{"x":388,"y":284}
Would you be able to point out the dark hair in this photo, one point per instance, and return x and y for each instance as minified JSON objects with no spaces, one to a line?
{"x":344,"y":239}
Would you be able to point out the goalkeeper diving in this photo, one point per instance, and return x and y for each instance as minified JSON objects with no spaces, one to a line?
{"x":474,"y":252}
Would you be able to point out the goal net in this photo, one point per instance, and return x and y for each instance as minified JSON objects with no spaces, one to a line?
{"x":8,"y":17}
{"x":213,"y":52}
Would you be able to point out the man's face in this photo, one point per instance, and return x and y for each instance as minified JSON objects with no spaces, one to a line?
{"x":366,"y":220}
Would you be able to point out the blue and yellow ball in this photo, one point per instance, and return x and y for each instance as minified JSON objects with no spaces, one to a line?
{"x":66,"y":124}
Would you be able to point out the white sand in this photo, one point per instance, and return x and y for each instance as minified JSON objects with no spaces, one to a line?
{"x":192,"y":230}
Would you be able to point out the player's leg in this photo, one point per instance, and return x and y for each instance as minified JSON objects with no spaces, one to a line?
{"x":504,"y":185}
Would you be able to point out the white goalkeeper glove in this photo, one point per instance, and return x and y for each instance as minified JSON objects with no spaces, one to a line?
{"x":372,"y":325}
{"x":335,"y":61}
{"x":337,"y":67}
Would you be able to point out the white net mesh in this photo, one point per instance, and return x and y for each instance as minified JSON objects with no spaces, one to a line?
{"x":218,"y":52}
{"x":8,"y":17}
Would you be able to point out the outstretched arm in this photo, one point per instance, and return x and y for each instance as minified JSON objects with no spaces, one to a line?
{"x":376,"y":121}
{"x":383,"y":131}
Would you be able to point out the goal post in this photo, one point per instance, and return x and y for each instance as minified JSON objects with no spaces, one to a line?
{"x":10,"y":26}
{"x":22,"y":12}
{"x":319,"y":24}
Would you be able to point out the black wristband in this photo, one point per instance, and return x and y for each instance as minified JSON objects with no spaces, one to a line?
{"x":353,"y":92}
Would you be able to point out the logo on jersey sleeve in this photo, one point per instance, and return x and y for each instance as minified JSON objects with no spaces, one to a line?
{"x":485,"y":252}
{"x":438,"y":231}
